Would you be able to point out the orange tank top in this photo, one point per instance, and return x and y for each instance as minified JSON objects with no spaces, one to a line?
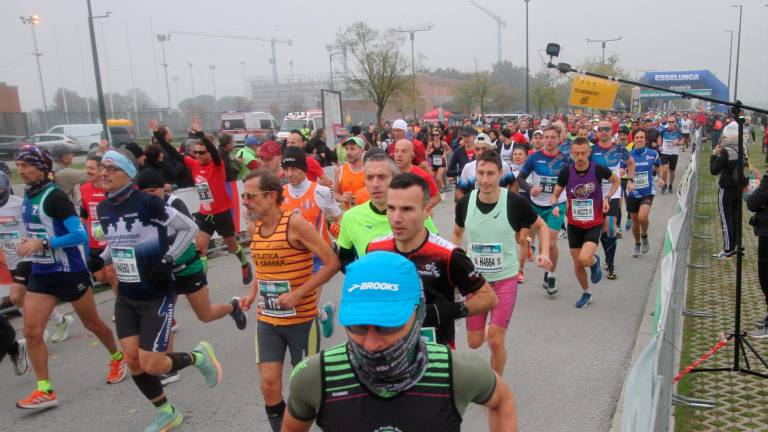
{"x":281,"y":267}
{"x":310,"y":211}
{"x":350,"y":182}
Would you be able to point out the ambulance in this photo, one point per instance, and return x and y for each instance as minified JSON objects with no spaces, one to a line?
{"x":312,"y":119}
{"x":242,"y":124}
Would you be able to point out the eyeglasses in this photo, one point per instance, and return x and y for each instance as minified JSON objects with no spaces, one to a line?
{"x":604,"y":129}
{"x":110,"y":169}
{"x":362,"y":329}
{"x":251,"y":195}
{"x":198,"y":152}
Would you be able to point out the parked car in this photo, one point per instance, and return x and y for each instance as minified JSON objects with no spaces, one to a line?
{"x":10,"y":144}
{"x":48,"y":140}
{"x":87,"y":135}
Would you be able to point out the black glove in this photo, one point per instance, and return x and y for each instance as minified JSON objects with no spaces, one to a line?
{"x":441,"y":310}
{"x":163,"y":271}
{"x":94,"y":263}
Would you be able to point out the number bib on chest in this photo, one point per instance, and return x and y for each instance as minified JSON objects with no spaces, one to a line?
{"x":437,"y":160}
{"x":583,"y":210}
{"x":641,"y":180}
{"x":43,"y":256}
{"x":547,"y":184}
{"x":204,"y":194}
{"x":9,"y":242}
{"x":124,"y":261}
{"x":428,"y":334}
{"x":269,"y":291}
{"x":487,"y":257}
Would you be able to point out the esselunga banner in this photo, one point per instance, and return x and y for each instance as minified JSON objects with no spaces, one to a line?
{"x":591,"y":92}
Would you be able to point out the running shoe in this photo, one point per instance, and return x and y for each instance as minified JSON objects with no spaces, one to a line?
{"x":531,"y":250}
{"x":636,"y":251}
{"x":611,"y":272}
{"x":326,"y":323}
{"x":117,"y":371}
{"x":619,"y":235}
{"x":169,"y":378}
{"x":628,"y":225}
{"x":595,"y":272}
{"x":19,"y":359}
{"x":61,"y":332}
{"x":174,"y":326}
{"x":209,"y":365}
{"x":247,"y":273}
{"x":762,"y":321}
{"x":545,"y":285}
{"x":645,"y":247}
{"x":723,"y":255}
{"x":520,"y":277}
{"x":584,"y":300}
{"x":442,"y":196}
{"x":563,"y":235}
{"x":663,"y":190}
{"x":551,"y":288}
{"x":38,"y":400}
{"x":241,"y":319}
{"x":761,"y":332}
{"x":165,"y":422}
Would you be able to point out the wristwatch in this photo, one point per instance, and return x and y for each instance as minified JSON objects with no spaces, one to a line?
{"x":46,"y":244}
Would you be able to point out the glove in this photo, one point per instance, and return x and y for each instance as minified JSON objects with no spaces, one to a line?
{"x":94,"y":263}
{"x":441,"y":310}
{"x":163,"y":271}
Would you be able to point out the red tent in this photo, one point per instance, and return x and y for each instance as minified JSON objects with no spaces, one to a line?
{"x":433,"y":115}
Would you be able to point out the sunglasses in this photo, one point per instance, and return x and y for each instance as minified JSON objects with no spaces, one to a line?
{"x":251,"y":195}
{"x":362,"y":329}
{"x":110,"y":169}
{"x":200,"y":152}
{"x":604,"y":129}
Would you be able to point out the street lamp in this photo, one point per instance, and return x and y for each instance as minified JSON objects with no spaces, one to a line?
{"x":730,"y":59}
{"x":163,"y":38}
{"x":331,"y":52}
{"x":245,"y":87}
{"x":527,"y":68}
{"x":738,"y":52}
{"x":603,"y":42}
{"x":213,"y":84}
{"x":192,"y":83}
{"x":97,"y":70}
{"x":412,"y":32}
{"x":33,"y":21}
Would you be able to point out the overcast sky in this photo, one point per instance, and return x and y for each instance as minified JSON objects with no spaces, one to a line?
{"x":657,"y":35}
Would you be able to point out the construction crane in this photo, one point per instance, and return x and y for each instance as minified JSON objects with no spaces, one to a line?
{"x":500,"y":23}
{"x":272,"y":42}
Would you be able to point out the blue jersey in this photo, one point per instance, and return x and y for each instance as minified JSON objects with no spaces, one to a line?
{"x":135,"y":226}
{"x":670,"y":141}
{"x":646,"y":159}
{"x":565,"y":147}
{"x":611,"y":158}
{"x":543,"y":170}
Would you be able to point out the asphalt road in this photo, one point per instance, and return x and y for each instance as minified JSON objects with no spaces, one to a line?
{"x":566,"y":366}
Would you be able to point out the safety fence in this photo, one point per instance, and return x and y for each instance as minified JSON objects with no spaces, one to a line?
{"x":648,"y":394}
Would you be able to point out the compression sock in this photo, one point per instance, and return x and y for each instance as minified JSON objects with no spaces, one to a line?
{"x":117,"y":356}
{"x":149,"y":385}
{"x":275,"y":415}
{"x":44,"y":386}
{"x":241,"y":255}
{"x":180,"y":360}
{"x":163,"y":406}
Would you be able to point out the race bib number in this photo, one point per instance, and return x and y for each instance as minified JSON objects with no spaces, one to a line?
{"x":9,"y":242}
{"x":487,"y":257}
{"x":583,"y":210}
{"x":269,"y":291}
{"x":437,"y":160}
{"x":124,"y":261}
{"x":642,"y":180}
{"x":428,"y":334}
{"x":547,"y":184}
{"x":43,"y":256}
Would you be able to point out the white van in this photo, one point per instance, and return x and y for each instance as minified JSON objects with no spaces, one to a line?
{"x":242,"y":124}
{"x":312,"y":119}
{"x":89,"y":135}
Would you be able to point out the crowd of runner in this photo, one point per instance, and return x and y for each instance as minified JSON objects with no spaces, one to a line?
{"x":406,"y":285}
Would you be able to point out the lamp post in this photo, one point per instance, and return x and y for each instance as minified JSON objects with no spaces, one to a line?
{"x":603,"y":42}
{"x":97,"y":70}
{"x":163,"y":38}
{"x":738,"y":52}
{"x":245,"y":87}
{"x":412,"y":33}
{"x":527,"y":67}
{"x":33,"y":21}
{"x":331,"y":52}
{"x":213,"y":84}
{"x":730,"y":59}
{"x":192,"y":83}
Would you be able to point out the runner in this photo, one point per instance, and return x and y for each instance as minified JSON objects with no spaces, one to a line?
{"x":208,"y":172}
{"x":640,"y":200}
{"x":466,"y":183}
{"x":91,"y":194}
{"x":491,"y":246}
{"x":622,"y":139}
{"x":669,"y":140}
{"x":437,"y":153}
{"x":385,"y":377}
{"x":519,"y":156}
{"x":52,"y":242}
{"x":400,"y":132}
{"x":316,"y":205}
{"x":686,"y":126}
{"x":544,"y":166}
{"x":271,"y":156}
{"x":403,"y":158}
{"x":246,"y":158}
{"x":443,"y":267}
{"x":505,"y":147}
{"x":315,"y":172}
{"x":350,"y":178}
{"x":611,"y":155}
{"x":137,"y":227}
{"x":581,"y":182}
{"x":463,"y":154}
{"x":288,"y":291}
{"x":363,"y":223}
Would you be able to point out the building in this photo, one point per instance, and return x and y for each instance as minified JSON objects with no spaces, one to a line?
{"x":12,"y":120}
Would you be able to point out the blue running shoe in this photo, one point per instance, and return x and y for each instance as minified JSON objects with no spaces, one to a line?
{"x":584,"y":300}
{"x":209,"y":365}
{"x":165,"y":422}
{"x":596,"y":273}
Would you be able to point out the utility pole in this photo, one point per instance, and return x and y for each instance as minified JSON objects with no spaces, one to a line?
{"x":97,"y":71}
{"x":33,"y":21}
{"x":163,"y":39}
{"x":730,"y":59}
{"x":527,"y":67}
{"x":412,"y":31}
{"x":61,"y":76}
{"x":82,"y":70}
{"x":245,"y":86}
{"x":110,"y":93}
{"x":500,"y":23}
{"x":603,"y":42}
{"x":738,"y":52}
{"x":192,"y":83}
{"x":213,"y":84}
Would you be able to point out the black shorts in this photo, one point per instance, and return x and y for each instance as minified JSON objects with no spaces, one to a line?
{"x":633,"y":204}
{"x":191,"y":283}
{"x":220,"y":222}
{"x":66,"y":286}
{"x":21,"y":273}
{"x":301,"y":340}
{"x":578,"y":236}
{"x":614,"y":208}
{"x":149,"y":319}
{"x":669,"y":159}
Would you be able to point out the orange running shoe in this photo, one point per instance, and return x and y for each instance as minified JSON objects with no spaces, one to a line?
{"x":38,"y":400}
{"x":117,"y":371}
{"x":520,"y":277}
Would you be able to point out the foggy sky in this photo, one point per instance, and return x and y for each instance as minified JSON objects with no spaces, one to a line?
{"x":657,"y":35}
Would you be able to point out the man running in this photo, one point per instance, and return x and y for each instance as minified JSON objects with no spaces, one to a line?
{"x":669,"y":142}
{"x":403,"y":158}
{"x":640,"y":199}
{"x":544,"y":166}
{"x":138,"y":228}
{"x":611,"y":155}
{"x":443,"y":267}
{"x":53,"y":243}
{"x":286,"y":287}
{"x":315,"y":172}
{"x":491,"y":246}
{"x":350,"y":178}
{"x":386,"y":377}
{"x":466,"y":182}
{"x":686,"y":125}
{"x":316,"y":205}
{"x":581,"y":181}
{"x":91,"y":194}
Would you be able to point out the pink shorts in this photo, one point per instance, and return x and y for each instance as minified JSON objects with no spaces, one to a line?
{"x":506,"y":291}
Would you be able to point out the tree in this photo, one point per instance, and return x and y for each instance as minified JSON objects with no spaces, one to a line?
{"x":503,"y":98}
{"x":464,"y":99}
{"x":379,"y":72}
{"x":234,"y":103}
{"x":544,"y":91}
{"x":481,"y":83}
{"x":143,"y":101}
{"x":200,"y":104}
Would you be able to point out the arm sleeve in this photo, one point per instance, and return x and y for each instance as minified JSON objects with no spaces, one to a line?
{"x":346,"y":256}
{"x":172,"y":152}
{"x":520,"y":213}
{"x":305,"y":389}
{"x":461,"y":210}
{"x":462,"y":273}
{"x":325,"y":200}
{"x":522,"y":176}
{"x":473,"y":380}
{"x":179,"y":205}
{"x":186,"y":230}
{"x":603,"y":173}
{"x":562,"y":177}
{"x":75,"y":235}
{"x":452,"y":162}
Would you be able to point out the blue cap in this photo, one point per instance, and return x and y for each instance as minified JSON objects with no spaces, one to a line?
{"x":252,"y":141}
{"x":382,"y":289}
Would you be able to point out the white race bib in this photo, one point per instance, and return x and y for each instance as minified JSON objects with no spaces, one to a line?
{"x":641,"y":180}
{"x":583,"y":210}
{"x":487,"y":257}
{"x":437,"y":160}
{"x":269,"y":291}
{"x":124,"y":261}
{"x":9,"y":241}
{"x":45,"y":255}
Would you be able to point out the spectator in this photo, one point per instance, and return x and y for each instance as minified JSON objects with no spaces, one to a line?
{"x":246,"y":158}
{"x":758,"y":203}
{"x":154,"y":158}
{"x":66,"y":178}
{"x":179,"y":175}
{"x":226,"y":147}
{"x":136,"y":151}
{"x":318,"y":148}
